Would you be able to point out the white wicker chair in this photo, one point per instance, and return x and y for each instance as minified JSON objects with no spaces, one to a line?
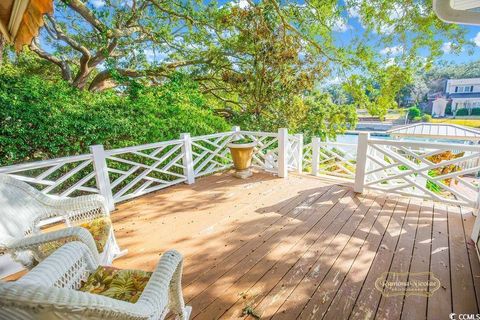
{"x":50,"y":290}
{"x":23,"y":209}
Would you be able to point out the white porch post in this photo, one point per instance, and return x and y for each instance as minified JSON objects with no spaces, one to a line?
{"x":283,"y":153}
{"x":187,"y":160}
{"x":299,"y":153}
{"x":362,"y":149}
{"x":101,"y":174}
{"x":315,"y":155}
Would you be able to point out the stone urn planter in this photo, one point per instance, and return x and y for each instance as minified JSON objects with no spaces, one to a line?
{"x":242,"y":152}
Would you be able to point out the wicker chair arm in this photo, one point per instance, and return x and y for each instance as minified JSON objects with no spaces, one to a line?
{"x":63,"y":265}
{"x":30,"y":292}
{"x":164,"y":287}
{"x":79,"y":202}
{"x":32,"y":242}
{"x":74,"y":209}
{"x":63,"y":303}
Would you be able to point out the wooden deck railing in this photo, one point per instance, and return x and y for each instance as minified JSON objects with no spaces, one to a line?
{"x":408,"y":168}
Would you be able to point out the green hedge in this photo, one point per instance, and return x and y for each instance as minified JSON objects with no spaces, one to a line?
{"x":43,"y":120}
{"x":448,"y":109}
{"x":462,"y":112}
{"x":414,"y":112}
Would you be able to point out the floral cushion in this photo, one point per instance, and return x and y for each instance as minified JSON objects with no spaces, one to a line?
{"x":126,"y":285}
{"x":99,"y":228}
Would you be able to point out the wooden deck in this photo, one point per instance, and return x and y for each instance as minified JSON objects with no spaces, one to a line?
{"x":302,"y":248}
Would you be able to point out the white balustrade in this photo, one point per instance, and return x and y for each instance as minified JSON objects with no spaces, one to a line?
{"x":426,"y":170}
{"x":62,"y":177}
{"x":439,"y":171}
{"x":134,"y":171}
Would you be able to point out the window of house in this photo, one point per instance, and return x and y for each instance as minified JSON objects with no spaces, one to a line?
{"x":462,"y":89}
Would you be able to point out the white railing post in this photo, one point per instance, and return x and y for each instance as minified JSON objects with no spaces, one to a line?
{"x":187,"y":160}
{"x":315,"y":155}
{"x":283,"y":153}
{"x":299,"y":137}
{"x":235,"y":130}
{"x":362,"y":149}
{"x":476,"y":210}
{"x":101,"y":174}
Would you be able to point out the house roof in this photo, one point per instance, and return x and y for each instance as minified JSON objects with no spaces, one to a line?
{"x":465,"y":95}
{"x":436,"y":131}
{"x":21,"y":19}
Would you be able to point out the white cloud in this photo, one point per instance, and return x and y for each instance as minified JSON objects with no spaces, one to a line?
{"x":243,"y":4}
{"x":392,"y":51}
{"x":340,"y":25}
{"x":447,"y":47}
{"x":390,"y":62}
{"x":98,"y":3}
{"x":332,"y":81}
{"x":353,"y":9}
{"x":477,"y":39}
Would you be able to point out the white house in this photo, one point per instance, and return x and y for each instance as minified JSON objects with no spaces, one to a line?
{"x":463,"y":93}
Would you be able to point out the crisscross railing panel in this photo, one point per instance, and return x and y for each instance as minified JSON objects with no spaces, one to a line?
{"x":211,"y":154}
{"x":436,"y":171}
{"x":265,"y":155}
{"x":337,"y":159}
{"x":62,"y":177}
{"x":307,"y":158}
{"x":293,"y":152}
{"x":139,"y":170}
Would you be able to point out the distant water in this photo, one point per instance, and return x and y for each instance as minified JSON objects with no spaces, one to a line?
{"x":353,"y":138}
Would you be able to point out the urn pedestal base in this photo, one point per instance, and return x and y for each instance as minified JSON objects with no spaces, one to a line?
{"x":243,"y":174}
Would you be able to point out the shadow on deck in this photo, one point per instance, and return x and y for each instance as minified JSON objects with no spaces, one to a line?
{"x":303,"y":248}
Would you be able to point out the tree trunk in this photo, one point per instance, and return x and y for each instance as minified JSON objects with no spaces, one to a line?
{"x":2,"y":48}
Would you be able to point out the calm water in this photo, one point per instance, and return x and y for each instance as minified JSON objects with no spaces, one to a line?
{"x":353,"y":138}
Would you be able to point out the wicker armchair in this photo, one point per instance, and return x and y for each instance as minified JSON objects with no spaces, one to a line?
{"x":23,"y":209}
{"x":54,"y":290}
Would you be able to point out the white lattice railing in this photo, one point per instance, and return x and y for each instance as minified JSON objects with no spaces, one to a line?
{"x":295,"y":153}
{"x":210,"y":153}
{"x":138,"y":170}
{"x":63,"y":177}
{"x":126,"y":173}
{"x":434,"y":171}
{"x":265,"y":154}
{"x":443,"y":172}
{"x":337,"y":159}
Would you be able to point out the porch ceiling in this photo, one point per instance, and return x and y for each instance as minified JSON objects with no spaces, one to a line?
{"x":20,"y":20}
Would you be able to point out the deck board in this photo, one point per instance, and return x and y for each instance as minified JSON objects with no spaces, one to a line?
{"x":441,"y":302}
{"x":414,"y":306}
{"x":301,"y":248}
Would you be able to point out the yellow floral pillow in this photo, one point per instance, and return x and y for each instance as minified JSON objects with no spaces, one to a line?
{"x":99,"y":228}
{"x":126,"y":285}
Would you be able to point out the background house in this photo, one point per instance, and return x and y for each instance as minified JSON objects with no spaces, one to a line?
{"x":463,"y":93}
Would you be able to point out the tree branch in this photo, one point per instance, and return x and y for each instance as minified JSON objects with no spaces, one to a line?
{"x":66,"y":72}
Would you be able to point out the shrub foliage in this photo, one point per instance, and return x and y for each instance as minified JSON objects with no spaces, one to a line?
{"x":42,"y":119}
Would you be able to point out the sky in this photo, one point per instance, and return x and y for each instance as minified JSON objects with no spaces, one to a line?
{"x":347,"y":29}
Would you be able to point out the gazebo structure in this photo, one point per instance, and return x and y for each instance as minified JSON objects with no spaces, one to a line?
{"x":437,"y":131}
{"x":21,"y":19}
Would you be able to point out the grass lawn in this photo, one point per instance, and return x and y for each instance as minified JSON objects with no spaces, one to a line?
{"x":475,"y":123}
